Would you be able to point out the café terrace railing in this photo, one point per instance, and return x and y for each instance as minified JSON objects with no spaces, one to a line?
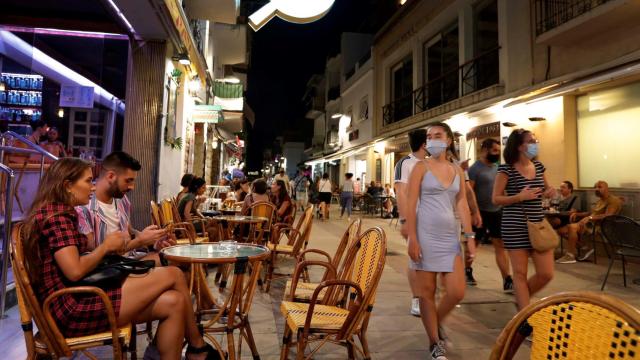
{"x":476,"y":74}
{"x":552,"y":13}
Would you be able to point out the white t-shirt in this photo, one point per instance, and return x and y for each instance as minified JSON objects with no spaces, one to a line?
{"x":404,"y":167}
{"x":111,"y":216}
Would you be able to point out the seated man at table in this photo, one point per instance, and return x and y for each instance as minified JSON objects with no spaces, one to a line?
{"x":109,"y":209}
{"x":569,"y":203}
{"x":607,"y":205}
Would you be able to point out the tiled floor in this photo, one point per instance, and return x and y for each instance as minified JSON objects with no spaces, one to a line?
{"x":393,"y":333}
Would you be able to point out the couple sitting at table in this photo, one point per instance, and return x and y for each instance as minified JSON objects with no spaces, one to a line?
{"x":63,"y":245}
{"x":279,"y":197}
{"x":578,"y":223}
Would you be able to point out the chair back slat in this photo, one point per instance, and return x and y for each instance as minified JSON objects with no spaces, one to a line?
{"x":31,"y":306}
{"x":305,"y":231}
{"x":156,"y":219}
{"x":349,"y":237}
{"x":365,"y":263}
{"x":263,"y":209}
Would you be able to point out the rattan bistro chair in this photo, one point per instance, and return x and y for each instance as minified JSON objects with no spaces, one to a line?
{"x":49,"y":341}
{"x":574,"y":325}
{"x":178,"y":230}
{"x":304,"y":290}
{"x":345,"y":309}
{"x":266,"y":210}
{"x":623,"y":236}
{"x":297,"y":240}
{"x":171,"y":215}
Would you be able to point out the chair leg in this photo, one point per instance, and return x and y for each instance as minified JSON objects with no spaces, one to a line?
{"x":611,"y":260}
{"x":133,"y":343}
{"x":365,"y":345}
{"x":624,"y":271}
{"x":270,"y":270}
{"x":286,"y":343}
{"x":595,"y":248}
{"x":301,"y":345}
{"x":350,"y":352}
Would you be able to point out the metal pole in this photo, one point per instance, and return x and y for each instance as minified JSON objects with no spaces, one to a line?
{"x":41,"y":166}
{"x":5,"y":241}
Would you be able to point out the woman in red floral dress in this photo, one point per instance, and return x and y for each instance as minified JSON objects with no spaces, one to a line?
{"x":57,"y":254}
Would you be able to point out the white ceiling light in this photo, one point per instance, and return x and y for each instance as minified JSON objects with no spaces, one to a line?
{"x":295,"y":11}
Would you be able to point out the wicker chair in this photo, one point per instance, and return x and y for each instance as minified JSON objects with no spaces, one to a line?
{"x":171,"y":215}
{"x":179,"y":230}
{"x":345,"y":309}
{"x":49,"y":341}
{"x":623,"y":235}
{"x":297,"y":240}
{"x":574,"y":325}
{"x":266,"y":210}
{"x":304,"y":290}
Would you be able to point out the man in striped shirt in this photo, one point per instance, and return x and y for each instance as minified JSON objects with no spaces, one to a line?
{"x":417,"y":142}
{"x":109,"y":208}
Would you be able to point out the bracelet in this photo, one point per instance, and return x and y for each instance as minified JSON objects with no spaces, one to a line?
{"x":470,"y":235}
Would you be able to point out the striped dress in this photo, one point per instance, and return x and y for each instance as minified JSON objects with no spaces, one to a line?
{"x":514,"y":223}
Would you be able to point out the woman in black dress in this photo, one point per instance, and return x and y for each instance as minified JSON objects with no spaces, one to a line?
{"x":520,"y":184}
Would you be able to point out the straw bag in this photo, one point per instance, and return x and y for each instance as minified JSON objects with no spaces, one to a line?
{"x":541,"y":234}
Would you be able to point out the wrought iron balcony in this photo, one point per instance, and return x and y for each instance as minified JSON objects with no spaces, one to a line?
{"x":475,"y":74}
{"x":553,"y":13}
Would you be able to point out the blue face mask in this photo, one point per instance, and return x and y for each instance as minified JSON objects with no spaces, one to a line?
{"x":436,"y":147}
{"x":532,"y":150}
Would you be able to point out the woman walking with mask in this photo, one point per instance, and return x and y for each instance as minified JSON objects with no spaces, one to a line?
{"x":519,"y":187}
{"x":434,"y":232}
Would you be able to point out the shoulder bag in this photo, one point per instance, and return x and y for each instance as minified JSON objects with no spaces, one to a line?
{"x":541,"y":234}
{"x":112,"y":271}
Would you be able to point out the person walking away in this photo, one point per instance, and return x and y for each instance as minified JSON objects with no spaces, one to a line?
{"x":324,"y":196}
{"x":346,"y":196}
{"x":434,"y":232}
{"x":482,"y":175}
{"x":607,"y":205}
{"x":519,"y":186}
{"x":417,"y":143}
{"x":301,"y":188}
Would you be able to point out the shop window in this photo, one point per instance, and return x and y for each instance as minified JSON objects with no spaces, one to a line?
{"x":608,"y":128}
{"x":87,"y":131}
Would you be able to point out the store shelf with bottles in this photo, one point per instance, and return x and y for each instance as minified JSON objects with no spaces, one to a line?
{"x":20,"y":114}
{"x":29,"y":82}
{"x":28,"y":98}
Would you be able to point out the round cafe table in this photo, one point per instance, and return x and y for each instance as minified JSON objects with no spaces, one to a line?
{"x":233,"y":313}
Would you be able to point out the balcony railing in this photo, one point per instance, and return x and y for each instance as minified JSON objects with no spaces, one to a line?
{"x":475,"y":74}
{"x":553,"y":13}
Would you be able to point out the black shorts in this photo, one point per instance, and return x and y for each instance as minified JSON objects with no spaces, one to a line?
{"x":325,"y":197}
{"x":492,"y":223}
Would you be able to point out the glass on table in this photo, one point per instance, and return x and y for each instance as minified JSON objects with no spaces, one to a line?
{"x":228,"y":246}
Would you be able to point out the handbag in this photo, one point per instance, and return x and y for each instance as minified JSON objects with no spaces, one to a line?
{"x":541,"y":234}
{"x":113,"y":270}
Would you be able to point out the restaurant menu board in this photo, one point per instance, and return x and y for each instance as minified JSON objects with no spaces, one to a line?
{"x":76,"y":96}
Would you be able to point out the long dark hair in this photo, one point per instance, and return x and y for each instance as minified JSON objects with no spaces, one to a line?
{"x":451,"y":150}
{"x":516,"y":138}
{"x":52,"y":190}
{"x":282,"y":192}
{"x":196,"y":184}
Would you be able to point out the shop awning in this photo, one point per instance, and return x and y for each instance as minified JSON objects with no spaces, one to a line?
{"x":575,"y":84}
{"x":32,"y":58}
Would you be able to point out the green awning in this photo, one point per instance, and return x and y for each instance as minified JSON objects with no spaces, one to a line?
{"x":227,"y":90}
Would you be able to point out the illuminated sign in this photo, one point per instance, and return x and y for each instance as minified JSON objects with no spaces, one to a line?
{"x":295,"y":11}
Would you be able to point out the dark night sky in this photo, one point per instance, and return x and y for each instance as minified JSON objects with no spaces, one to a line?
{"x":284,"y":56}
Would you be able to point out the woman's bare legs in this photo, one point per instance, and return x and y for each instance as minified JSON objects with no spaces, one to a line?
{"x":524,"y":287}
{"x":163,"y":295}
{"x":455,"y":284}
{"x":426,"y":291}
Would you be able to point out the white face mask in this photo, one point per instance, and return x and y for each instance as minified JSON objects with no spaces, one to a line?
{"x":436,"y":147}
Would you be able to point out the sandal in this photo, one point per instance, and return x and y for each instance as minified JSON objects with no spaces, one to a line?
{"x":212,"y":353}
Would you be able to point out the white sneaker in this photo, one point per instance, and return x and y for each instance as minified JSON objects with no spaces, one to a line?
{"x":438,"y":351}
{"x":415,"y":306}
{"x":568,"y":258}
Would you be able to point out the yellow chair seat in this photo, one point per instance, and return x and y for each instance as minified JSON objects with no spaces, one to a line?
{"x":324,"y":317}
{"x":281,"y":248}
{"x":83,"y":342}
{"x":183,"y":241}
{"x":304,"y":290}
